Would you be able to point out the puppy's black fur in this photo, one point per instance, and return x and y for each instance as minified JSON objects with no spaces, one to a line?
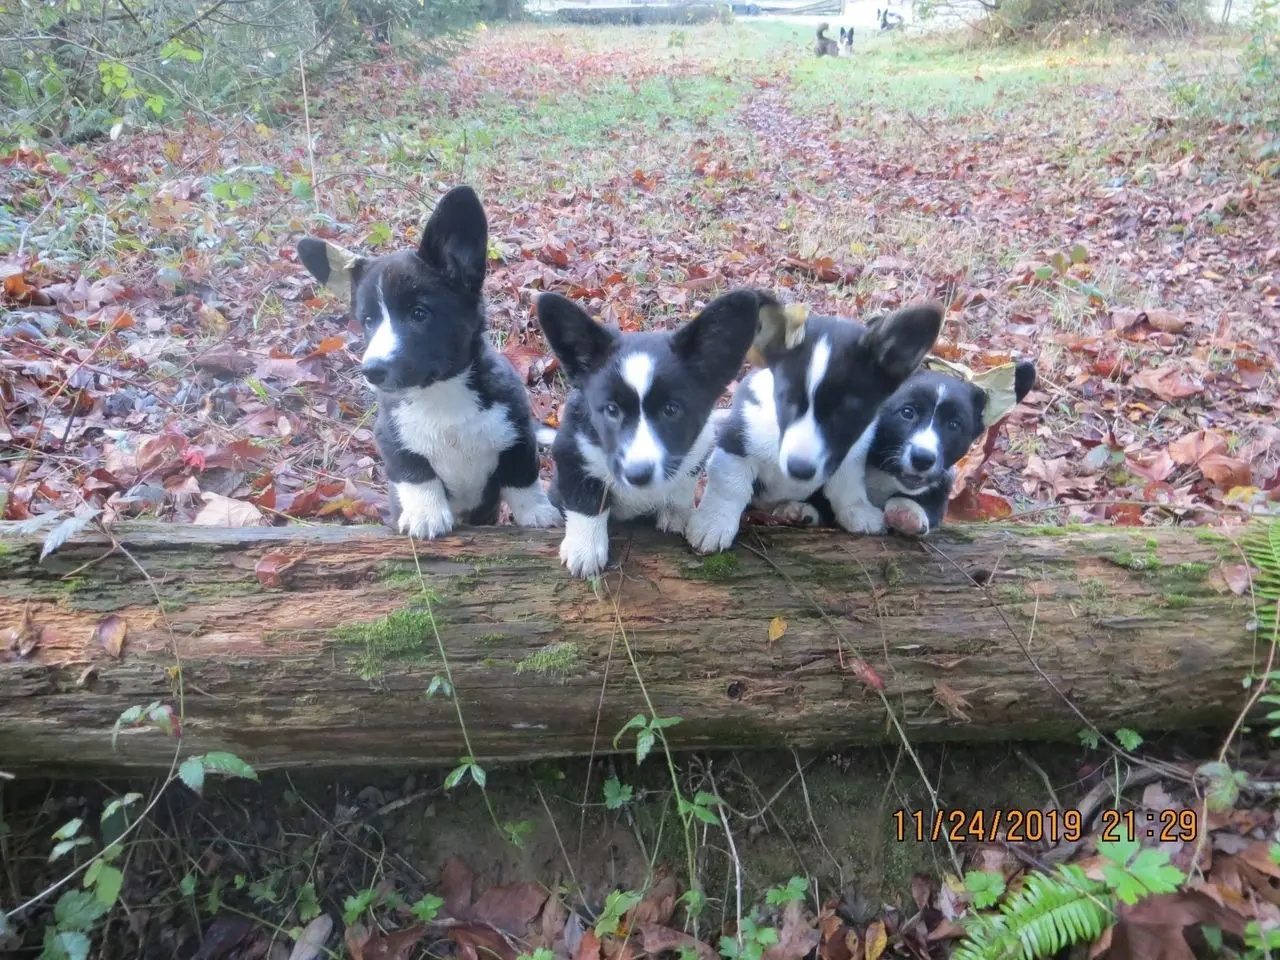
{"x":795,"y":423}
{"x":454,"y":426}
{"x":635,"y":430}
{"x":824,"y":46}
{"x":921,"y":433}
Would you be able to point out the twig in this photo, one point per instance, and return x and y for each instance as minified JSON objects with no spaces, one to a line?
{"x":808,"y":808}
{"x":737,"y":873}
{"x":306,"y":112}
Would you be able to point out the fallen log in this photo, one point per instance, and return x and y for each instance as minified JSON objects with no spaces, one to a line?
{"x":313,"y":645}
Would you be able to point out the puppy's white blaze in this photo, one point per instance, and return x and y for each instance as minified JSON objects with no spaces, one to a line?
{"x":644,"y":447}
{"x":803,"y":439}
{"x":637,"y":373}
{"x":819,"y":360}
{"x":926,"y":439}
{"x":384,"y":343}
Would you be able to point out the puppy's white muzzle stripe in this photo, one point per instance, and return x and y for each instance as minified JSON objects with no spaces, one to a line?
{"x":384,"y":343}
{"x":644,"y":448}
{"x":802,"y":439}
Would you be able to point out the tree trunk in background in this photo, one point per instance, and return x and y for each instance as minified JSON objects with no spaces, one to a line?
{"x":323,"y":655}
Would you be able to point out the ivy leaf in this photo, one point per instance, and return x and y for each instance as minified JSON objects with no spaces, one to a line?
{"x":644,"y":744}
{"x":478,"y":774}
{"x":229,"y":765}
{"x":67,"y":529}
{"x":110,"y":880}
{"x":638,"y":721}
{"x":67,"y":945}
{"x":455,"y":776}
{"x":192,"y":773}
{"x":67,"y":845}
{"x":78,"y":910}
{"x":1157,"y":874}
{"x":1118,"y":852}
{"x":68,"y":829}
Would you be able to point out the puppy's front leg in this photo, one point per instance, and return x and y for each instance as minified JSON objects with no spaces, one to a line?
{"x":419,"y":501}
{"x":714,"y":524}
{"x":676,"y":512}
{"x":518,"y":467}
{"x":847,"y":492}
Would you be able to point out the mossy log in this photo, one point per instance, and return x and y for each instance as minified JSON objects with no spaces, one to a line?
{"x":314,"y":645}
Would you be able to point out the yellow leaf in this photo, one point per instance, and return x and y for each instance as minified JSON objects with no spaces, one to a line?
{"x":997,"y":383}
{"x":877,"y":940}
{"x":777,"y":627}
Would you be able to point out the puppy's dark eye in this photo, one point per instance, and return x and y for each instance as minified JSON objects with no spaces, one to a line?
{"x":907,"y":413}
{"x":671,"y":410}
{"x":953,"y":425}
{"x":419,"y":314}
{"x":612,"y":411}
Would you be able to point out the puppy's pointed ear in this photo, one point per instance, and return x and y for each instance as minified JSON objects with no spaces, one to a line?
{"x":902,"y":339}
{"x":455,"y":240}
{"x":717,"y":339}
{"x":1024,"y":378}
{"x":580,"y":343}
{"x":335,"y":267}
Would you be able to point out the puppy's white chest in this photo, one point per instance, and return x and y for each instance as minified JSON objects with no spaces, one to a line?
{"x":446,"y":424}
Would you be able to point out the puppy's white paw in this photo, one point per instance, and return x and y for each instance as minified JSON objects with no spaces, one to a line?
{"x":424,"y":510}
{"x":861,"y":518}
{"x":530,"y":507}
{"x":672,"y":520}
{"x":906,"y":517}
{"x":585,"y":547}
{"x":710,"y":530}
{"x":797,"y":511}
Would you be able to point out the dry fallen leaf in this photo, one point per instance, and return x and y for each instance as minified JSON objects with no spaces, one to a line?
{"x":877,"y":939}
{"x":220,"y":511}
{"x":1194,"y":447}
{"x":109,"y":634}
{"x":24,"y":638}
{"x":1169,"y":383}
{"x":271,"y":568}
{"x":777,"y":627}
{"x":1225,"y":472}
{"x":397,"y":945}
{"x":316,"y":934}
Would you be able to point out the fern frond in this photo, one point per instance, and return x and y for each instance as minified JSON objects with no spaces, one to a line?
{"x":1262,"y":546}
{"x":1049,"y":913}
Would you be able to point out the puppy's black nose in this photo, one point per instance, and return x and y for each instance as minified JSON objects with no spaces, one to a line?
{"x":375,"y":373}
{"x":638,"y":474}
{"x":800,"y":468}
{"x":922,"y":460}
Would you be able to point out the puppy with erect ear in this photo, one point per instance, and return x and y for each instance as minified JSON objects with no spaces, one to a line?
{"x":636,"y":427}
{"x":454,"y":425}
{"x":926,"y":427}
{"x":798,"y":425}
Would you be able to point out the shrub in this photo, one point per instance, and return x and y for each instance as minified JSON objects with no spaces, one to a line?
{"x":72,"y":70}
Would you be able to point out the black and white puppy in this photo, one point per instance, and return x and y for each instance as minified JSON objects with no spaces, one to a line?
{"x":454,"y":425}
{"x":921,"y":433}
{"x":636,"y":429}
{"x":800,"y":424}
{"x":846,"y":38}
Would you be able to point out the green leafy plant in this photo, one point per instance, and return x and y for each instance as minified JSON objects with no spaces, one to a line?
{"x":1053,"y":911}
{"x":750,"y":943}
{"x":793,"y":892}
{"x":616,"y":795}
{"x":615,"y":907}
{"x":427,"y":908}
{"x":646,"y":732}
{"x":987,"y":887}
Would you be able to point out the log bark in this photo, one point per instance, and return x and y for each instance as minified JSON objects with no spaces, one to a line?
{"x":312,"y":645}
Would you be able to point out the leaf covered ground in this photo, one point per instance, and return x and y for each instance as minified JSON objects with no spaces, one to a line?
{"x":165,"y":355}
